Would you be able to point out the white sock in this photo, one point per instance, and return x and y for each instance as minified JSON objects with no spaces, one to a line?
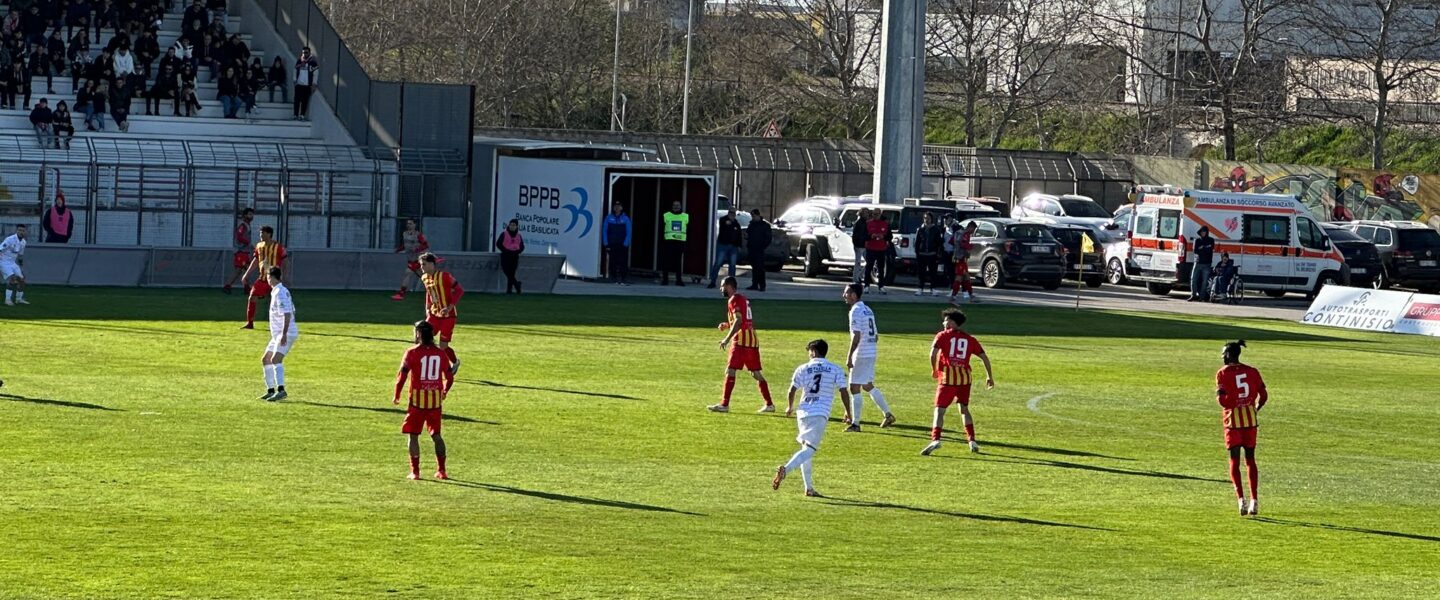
{"x":856,"y":403}
{"x":269,"y":377}
{"x":800,"y":458}
{"x":805,"y":472}
{"x":280,"y":375}
{"x":879,"y":399}
{"x":19,"y":295}
{"x":9,"y":294}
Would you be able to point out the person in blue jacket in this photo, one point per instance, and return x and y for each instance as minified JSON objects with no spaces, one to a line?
{"x":617,"y":243}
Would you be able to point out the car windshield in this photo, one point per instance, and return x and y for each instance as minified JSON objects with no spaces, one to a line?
{"x":1070,"y":237}
{"x":1343,"y":235}
{"x":1419,"y":239}
{"x":1029,"y":233}
{"x":1075,"y":207}
{"x":910,"y":219}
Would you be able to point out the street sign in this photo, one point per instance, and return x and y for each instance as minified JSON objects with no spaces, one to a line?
{"x":772,"y":130}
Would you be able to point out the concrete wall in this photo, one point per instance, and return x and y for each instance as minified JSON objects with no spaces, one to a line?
{"x":78,"y":265}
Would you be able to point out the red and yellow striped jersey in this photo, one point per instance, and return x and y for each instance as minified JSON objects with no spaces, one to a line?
{"x":270,"y":254}
{"x":428,"y":368}
{"x":441,"y":292}
{"x":742,"y":321}
{"x":952,"y":362}
{"x":1241,"y":392}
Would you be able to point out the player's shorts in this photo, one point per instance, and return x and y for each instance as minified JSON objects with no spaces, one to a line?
{"x":863,"y":372}
{"x":444,"y":326}
{"x":276,"y":347}
{"x":10,"y":269}
{"x":811,"y":430}
{"x":962,"y":268}
{"x":430,"y":418}
{"x":744,"y":358}
{"x":945,"y":395}
{"x":413,"y":265}
{"x":1244,"y":436}
{"x":261,"y":288}
{"x":242,"y":259}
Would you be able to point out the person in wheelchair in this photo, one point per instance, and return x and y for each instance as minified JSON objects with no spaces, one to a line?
{"x":1224,"y":278}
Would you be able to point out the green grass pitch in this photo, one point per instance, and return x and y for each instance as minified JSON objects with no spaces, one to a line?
{"x":137,"y":464}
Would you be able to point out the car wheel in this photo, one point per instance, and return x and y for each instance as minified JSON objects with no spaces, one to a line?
{"x":1326,"y":278}
{"x":1115,"y":272}
{"x":1052,"y":285}
{"x":813,"y":265}
{"x":992,"y":275}
{"x":1158,"y":289}
{"x":1094,"y":282}
{"x":1380,"y":281}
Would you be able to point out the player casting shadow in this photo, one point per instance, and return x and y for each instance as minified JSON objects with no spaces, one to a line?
{"x":832,"y":500}
{"x":64,"y":403}
{"x":120,"y":328}
{"x":589,"y":337}
{"x":486,"y":383}
{"x":567,"y":498}
{"x":362,"y":337}
{"x":1408,"y":536}
{"x":1041,"y":462}
{"x":989,"y":444}
{"x":392,"y":410}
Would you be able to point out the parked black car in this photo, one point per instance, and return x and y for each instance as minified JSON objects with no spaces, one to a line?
{"x":1362,"y":259}
{"x":1093,"y":271}
{"x":1005,"y":250}
{"x":1410,"y":252}
{"x":775,"y":254}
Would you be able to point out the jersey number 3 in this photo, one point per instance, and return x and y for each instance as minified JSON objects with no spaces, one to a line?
{"x":430,"y":368}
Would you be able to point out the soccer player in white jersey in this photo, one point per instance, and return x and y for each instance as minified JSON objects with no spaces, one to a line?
{"x":12,"y":255}
{"x":283,"y":332}
{"x":861,"y":358}
{"x":818,"y":381}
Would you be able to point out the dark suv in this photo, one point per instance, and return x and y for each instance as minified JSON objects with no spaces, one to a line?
{"x":1003,"y":250}
{"x":1093,"y":270}
{"x":1362,"y":259}
{"x":1410,"y":252}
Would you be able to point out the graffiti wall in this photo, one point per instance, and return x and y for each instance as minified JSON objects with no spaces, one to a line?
{"x":1402,"y":195}
{"x":1314,"y":186}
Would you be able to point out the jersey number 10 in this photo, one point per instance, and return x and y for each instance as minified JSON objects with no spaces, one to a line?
{"x":430,"y":368}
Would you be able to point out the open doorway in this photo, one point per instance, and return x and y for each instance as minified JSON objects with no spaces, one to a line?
{"x":647,"y":196}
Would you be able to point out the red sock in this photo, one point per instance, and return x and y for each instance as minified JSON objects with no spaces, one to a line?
{"x":970,"y":432}
{"x":450,"y":353}
{"x":439,"y":462}
{"x":729,"y":387}
{"x":1254,"y":476}
{"x":1235,"y":477}
{"x":250,"y":313}
{"x":955,"y":286}
{"x":935,"y":434}
{"x":969,"y":288}
{"x":415,"y":463}
{"x":765,"y":392}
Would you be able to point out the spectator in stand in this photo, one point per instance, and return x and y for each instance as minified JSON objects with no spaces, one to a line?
{"x":877,"y":251}
{"x":20,"y":83}
{"x":7,"y":81}
{"x":103,"y":67}
{"x":105,"y":17}
{"x":252,"y":80}
{"x":757,"y":239}
{"x":195,"y":14}
{"x":510,"y":244}
{"x":166,"y":87}
{"x":215,"y":54}
{"x":79,"y":58}
{"x":184,"y":52}
{"x":230,"y":93}
{"x":728,"y":237}
{"x":188,"y":98}
{"x":64,"y":127}
{"x":124,"y":66}
{"x":43,"y":120}
{"x":11,"y":24}
{"x":278,"y":78}
{"x":58,"y":222}
{"x":307,"y":74}
{"x":33,"y":26}
{"x":217,"y":12}
{"x":120,"y":105}
{"x":95,"y":113}
{"x":54,"y":60}
{"x":617,"y":243}
{"x":147,"y":49}
{"x":237,"y":51}
{"x":77,"y":16}
{"x":171,"y":60}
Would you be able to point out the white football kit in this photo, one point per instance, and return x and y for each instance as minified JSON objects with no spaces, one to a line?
{"x":818,"y":382}
{"x":10,"y":252}
{"x":280,"y":305}
{"x":862,"y":323}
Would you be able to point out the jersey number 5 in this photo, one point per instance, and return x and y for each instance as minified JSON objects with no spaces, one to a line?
{"x":1241,"y":385}
{"x":430,"y":368}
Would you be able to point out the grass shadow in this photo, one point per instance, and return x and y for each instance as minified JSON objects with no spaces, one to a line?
{"x":366,"y":338}
{"x":835,"y":501}
{"x":557,"y":332}
{"x":393,"y":411}
{"x":119,"y":328}
{"x":552,"y":496}
{"x":1059,"y":464}
{"x":487,"y":383}
{"x":1381,"y":532}
{"x":1042,"y":449}
{"x":64,"y":403}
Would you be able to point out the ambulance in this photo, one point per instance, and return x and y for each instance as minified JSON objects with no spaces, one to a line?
{"x":1277,"y":246}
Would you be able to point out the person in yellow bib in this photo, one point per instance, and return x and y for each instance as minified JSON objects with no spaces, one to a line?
{"x":672,"y":247}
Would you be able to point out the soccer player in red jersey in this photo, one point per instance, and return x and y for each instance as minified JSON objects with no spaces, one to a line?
{"x":428,"y":368}
{"x":1241,"y":393}
{"x":268,"y":253}
{"x":442,"y":293}
{"x":241,"y":239}
{"x":962,"y":267}
{"x":950,"y":360}
{"x":412,"y":243}
{"x":745,"y":354}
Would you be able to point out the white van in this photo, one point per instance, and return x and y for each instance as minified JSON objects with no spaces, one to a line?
{"x":1275,"y":243}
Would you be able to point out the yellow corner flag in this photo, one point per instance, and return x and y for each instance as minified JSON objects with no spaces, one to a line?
{"x":1086,"y":246}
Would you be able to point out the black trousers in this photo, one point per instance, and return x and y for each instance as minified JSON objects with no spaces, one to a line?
{"x":619,"y":263}
{"x":757,"y":269}
{"x":672,"y":260}
{"x":925,"y":264}
{"x":876,"y":264}
{"x":302,"y":100}
{"x":509,"y":263}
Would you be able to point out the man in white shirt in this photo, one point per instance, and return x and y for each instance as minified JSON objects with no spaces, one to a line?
{"x":12,"y":256}
{"x":861,"y":358}
{"x":283,"y":332}
{"x":818,"y":381}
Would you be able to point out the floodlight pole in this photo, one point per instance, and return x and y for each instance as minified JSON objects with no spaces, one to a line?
{"x":615,"y":71}
{"x":900,"y":129}
{"x":685,"y":96}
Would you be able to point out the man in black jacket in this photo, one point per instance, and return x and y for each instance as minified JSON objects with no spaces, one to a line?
{"x":757,"y":239}
{"x":858,"y":235}
{"x":42,"y":119}
{"x":728,"y":236}
{"x":1204,"y":251}
{"x":929,"y":246}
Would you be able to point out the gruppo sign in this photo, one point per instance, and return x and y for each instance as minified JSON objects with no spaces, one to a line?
{"x":1384,"y":311}
{"x":560,"y":206}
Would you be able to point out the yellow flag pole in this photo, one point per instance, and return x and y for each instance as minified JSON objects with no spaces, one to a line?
{"x":1079,"y":275}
